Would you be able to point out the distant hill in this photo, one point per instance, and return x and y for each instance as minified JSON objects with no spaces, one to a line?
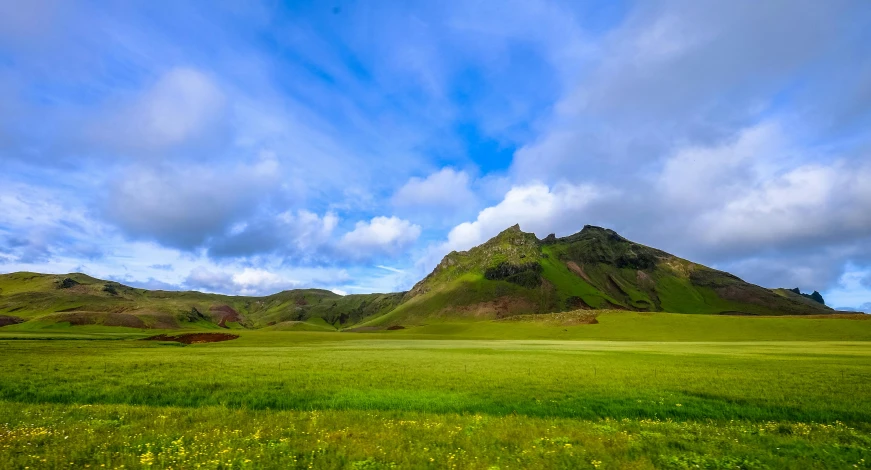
{"x":513,"y":273}
{"x":47,"y":300}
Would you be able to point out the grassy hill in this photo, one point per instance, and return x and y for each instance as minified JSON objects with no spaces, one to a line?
{"x":35,"y":301}
{"x":514,"y":273}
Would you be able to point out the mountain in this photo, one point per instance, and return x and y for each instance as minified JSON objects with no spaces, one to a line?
{"x":596,"y":268}
{"x":513,"y":273}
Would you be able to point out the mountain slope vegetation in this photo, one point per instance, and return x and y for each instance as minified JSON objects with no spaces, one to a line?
{"x":514,"y":273}
{"x":45,"y":300}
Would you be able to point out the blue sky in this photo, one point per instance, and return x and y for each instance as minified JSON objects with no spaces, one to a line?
{"x":250,"y":147}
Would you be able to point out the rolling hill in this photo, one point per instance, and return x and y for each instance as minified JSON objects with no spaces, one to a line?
{"x":31,"y":300}
{"x":514,"y":273}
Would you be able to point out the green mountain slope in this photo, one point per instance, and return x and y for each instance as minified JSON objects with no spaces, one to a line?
{"x":515,"y":273}
{"x":45,"y":300}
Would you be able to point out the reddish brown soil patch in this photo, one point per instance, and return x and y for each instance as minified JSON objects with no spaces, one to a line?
{"x":194,"y":338}
{"x":499,"y":308}
{"x":224,"y":314}
{"x":396,"y":327}
{"x":573,"y":267}
{"x":101,"y":318}
{"x":644,"y":280}
{"x":160,"y":321}
{"x":746,"y":294}
{"x":10,"y":320}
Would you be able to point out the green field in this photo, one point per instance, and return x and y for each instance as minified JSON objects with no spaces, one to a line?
{"x":631,"y":391}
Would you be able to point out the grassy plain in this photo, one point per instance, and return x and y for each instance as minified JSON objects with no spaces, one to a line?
{"x":633,"y":391}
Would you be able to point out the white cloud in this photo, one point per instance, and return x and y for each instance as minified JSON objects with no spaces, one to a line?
{"x":249,"y":281}
{"x":679,"y":72}
{"x":252,"y":281}
{"x":851,"y":290}
{"x":536,"y":207}
{"x":387,"y":235}
{"x":388,"y":268}
{"x":696,"y":176}
{"x":755,"y":192}
{"x":182,"y":207}
{"x":299,"y":235}
{"x":795,"y":205}
{"x":447,"y":188}
{"x":309,"y":229}
{"x":38,"y":226}
{"x":184,"y":104}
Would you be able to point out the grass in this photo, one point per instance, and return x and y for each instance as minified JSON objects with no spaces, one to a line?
{"x":629,"y":392}
{"x":52,"y":436}
{"x":615,"y":325}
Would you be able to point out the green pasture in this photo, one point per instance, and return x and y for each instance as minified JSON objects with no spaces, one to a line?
{"x":631,"y":391}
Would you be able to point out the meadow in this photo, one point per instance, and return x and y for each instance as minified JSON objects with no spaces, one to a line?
{"x":632,"y":391}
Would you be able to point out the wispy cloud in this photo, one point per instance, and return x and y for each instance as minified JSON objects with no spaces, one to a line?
{"x":388,"y":268}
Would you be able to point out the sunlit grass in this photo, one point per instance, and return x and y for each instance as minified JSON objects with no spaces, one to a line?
{"x":101,"y":436}
{"x":332,"y":400}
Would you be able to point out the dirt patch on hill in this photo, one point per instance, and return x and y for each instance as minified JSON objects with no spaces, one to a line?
{"x":499,"y":308}
{"x":644,"y":280}
{"x":573,"y":267}
{"x":10,"y":320}
{"x":224,"y":314}
{"x":156,"y":320}
{"x":98,"y":318}
{"x":576,"y":317}
{"x":194,"y":338}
